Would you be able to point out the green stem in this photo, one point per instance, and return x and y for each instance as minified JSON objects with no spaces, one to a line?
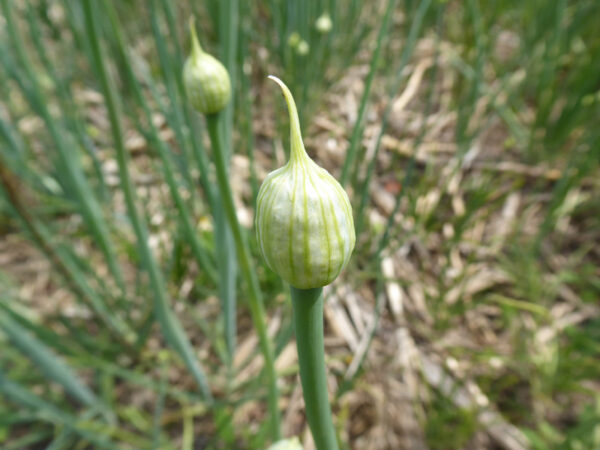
{"x":198,"y":250}
{"x":257,"y":309}
{"x":358,"y":125}
{"x":411,"y":40}
{"x":171,"y":328}
{"x":227,"y":263}
{"x":308,"y":322}
{"x":89,"y":207}
{"x":62,"y":261}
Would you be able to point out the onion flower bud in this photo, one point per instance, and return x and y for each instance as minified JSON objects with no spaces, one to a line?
{"x":303,"y":48}
{"x":206,"y":80}
{"x":304,"y":219}
{"x":287,"y":444}
{"x":294,"y":40}
{"x":324,"y":24}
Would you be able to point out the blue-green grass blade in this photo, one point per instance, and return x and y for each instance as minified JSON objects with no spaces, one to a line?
{"x":228,"y":12}
{"x":88,"y":204}
{"x":48,"y":362}
{"x":72,"y":115}
{"x":171,"y":327}
{"x":193,"y":126}
{"x":413,"y":34}
{"x":357,"y":130}
{"x":62,"y":261}
{"x":199,"y":251}
{"x":32,"y":439}
{"x":175,"y":110}
{"x":246,"y":101}
{"x":48,"y":412}
{"x":228,"y":40}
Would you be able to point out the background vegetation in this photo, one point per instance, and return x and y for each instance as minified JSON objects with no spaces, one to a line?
{"x":467,"y":135}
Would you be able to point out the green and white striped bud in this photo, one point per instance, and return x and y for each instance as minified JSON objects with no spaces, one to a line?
{"x":303,"y":216}
{"x":206,"y":80}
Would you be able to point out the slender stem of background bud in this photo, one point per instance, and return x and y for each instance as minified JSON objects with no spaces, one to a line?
{"x":62,"y":261}
{"x":257,"y":310}
{"x":308,"y":323}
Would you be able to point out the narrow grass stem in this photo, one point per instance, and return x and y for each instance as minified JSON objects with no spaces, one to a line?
{"x":48,"y":362}
{"x":89,"y":207}
{"x":308,"y":323}
{"x":358,"y":125}
{"x":174,"y":113}
{"x":228,"y":37}
{"x":228,"y":11}
{"x":49,"y":412}
{"x":171,"y":327}
{"x":257,"y":310}
{"x":63,"y":263}
{"x":415,"y":29}
{"x":200,"y":253}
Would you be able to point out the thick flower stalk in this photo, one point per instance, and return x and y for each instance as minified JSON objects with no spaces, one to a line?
{"x":306,"y":234}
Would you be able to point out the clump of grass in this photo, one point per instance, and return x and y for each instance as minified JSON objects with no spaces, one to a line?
{"x":479,"y":189}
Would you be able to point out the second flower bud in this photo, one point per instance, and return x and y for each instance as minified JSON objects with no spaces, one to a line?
{"x":206,"y":80}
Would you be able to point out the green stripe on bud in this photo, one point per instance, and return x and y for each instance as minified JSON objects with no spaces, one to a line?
{"x":206,"y":80}
{"x":303,"y":216}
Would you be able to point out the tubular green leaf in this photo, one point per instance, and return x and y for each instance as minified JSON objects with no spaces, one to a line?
{"x":171,"y":327}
